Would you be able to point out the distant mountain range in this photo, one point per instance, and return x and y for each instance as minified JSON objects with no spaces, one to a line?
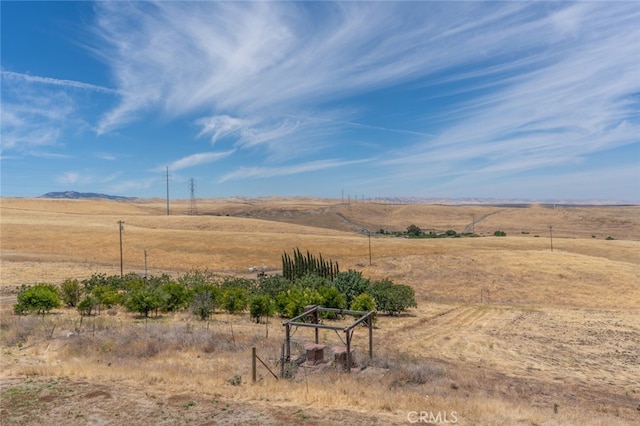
{"x":80,"y":195}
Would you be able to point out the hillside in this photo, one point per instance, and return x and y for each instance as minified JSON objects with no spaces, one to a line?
{"x":506,"y":328}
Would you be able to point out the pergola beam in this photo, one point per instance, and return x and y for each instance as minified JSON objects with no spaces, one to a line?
{"x":348,"y":330}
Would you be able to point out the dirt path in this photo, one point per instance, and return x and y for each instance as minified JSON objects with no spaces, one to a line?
{"x":469,"y":228}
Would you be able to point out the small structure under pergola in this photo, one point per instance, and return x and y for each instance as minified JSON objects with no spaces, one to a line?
{"x":312,"y":312}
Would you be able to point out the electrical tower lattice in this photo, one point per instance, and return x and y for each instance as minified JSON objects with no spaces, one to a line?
{"x":193,"y":208}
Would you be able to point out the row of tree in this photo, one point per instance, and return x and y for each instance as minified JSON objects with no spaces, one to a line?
{"x":297,"y":266}
{"x":203,"y":293}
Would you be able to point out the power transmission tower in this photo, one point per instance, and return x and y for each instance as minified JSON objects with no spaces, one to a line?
{"x":193,"y":209}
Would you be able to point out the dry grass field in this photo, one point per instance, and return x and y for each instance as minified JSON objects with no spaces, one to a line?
{"x":507,"y":331}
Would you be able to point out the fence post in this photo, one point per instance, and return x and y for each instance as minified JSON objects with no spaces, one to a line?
{"x":253,"y":364}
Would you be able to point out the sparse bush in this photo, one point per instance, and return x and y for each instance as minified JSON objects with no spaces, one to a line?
{"x":204,"y":301}
{"x":500,"y":234}
{"x":610,"y":238}
{"x":70,"y":292}
{"x":236,"y":380}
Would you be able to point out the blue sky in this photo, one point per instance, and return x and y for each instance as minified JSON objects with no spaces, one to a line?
{"x":507,"y":100}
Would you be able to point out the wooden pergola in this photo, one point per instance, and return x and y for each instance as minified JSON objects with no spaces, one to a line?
{"x":312,"y":312}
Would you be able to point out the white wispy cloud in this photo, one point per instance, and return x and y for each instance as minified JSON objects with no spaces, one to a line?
{"x":543,"y":83}
{"x":37,"y":112}
{"x":85,"y":178}
{"x":9,"y":75}
{"x":196,"y":160}
{"x":265,"y":172}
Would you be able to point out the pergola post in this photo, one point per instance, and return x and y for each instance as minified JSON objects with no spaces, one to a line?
{"x":315,"y":321}
{"x":348,"y":333}
{"x":288,"y":342}
{"x":370,"y":321}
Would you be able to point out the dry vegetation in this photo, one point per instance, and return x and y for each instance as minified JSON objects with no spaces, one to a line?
{"x":506,"y":330}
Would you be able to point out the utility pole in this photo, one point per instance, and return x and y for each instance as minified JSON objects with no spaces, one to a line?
{"x":167,"y":190}
{"x":551,"y":236}
{"x":369,"y":248}
{"x":121,"y":228}
{"x":145,"y":264}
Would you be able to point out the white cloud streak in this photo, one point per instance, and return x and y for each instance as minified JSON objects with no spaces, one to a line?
{"x":196,"y":160}
{"x":266,"y":172}
{"x":544,"y":83}
{"x":56,"y":82}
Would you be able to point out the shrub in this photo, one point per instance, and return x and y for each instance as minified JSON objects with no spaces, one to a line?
{"x":203,"y":302}
{"x":364,"y":303}
{"x":450,"y":233}
{"x":175,"y":297}
{"x":331,"y":298}
{"x":351,"y":284}
{"x":261,"y":306}
{"x":235,"y":299}
{"x":144,"y":301}
{"x":292,"y":303}
{"x":86,"y":306}
{"x":500,"y":234}
{"x":70,"y":291}
{"x":393,"y":298}
{"x":273,"y":285}
{"x":40,"y":298}
{"x":413,"y":231}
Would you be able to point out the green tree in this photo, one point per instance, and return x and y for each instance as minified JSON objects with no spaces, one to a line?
{"x":235,"y":299}
{"x":500,"y":234}
{"x":413,"y":231}
{"x":331,"y":298}
{"x":351,"y":284}
{"x":236,"y":282}
{"x":261,"y":306}
{"x":293,"y":302}
{"x":87,"y":305}
{"x":143,"y":301}
{"x":364,"y":303}
{"x":392,"y":298}
{"x":273,"y":285}
{"x":196,"y":278}
{"x":176,"y":297}
{"x":40,"y":298}
{"x":70,"y":292}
